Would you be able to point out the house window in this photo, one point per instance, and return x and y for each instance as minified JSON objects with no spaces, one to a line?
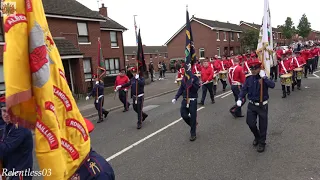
{"x":112,"y":65}
{"x":238,"y":35}
{"x":155,"y":56}
{"x":150,"y":56}
{"x":2,"y":86}
{"x":218,"y":51}
{"x":225,"y":36}
{"x":113,"y":39}
{"x":132,"y":57}
{"x":231,"y":35}
{"x":1,"y":33}
{"x":126,"y":57}
{"x":165,"y":55}
{"x":218,"y":36}
{"x":87,"y":68}
{"x":201,"y":53}
{"x":83,"y":35}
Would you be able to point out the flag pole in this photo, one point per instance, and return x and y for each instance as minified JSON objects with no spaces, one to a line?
{"x":188,"y":99}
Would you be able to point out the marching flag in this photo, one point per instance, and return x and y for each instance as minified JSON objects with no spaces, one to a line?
{"x":38,"y":96}
{"x":190,"y":50}
{"x":101,"y":65}
{"x":135,"y":29}
{"x":142,"y":67}
{"x":265,"y":43}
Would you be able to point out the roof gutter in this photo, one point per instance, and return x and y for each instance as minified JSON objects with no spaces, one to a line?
{"x":75,"y":18}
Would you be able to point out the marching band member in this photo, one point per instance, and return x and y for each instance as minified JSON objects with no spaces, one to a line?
{"x":137,"y":91}
{"x":196,"y":68}
{"x":180,"y":72}
{"x":223,"y":72}
{"x":314,"y":53}
{"x":246,"y":68}
{"x":255,"y":107}
{"x":123,"y":92}
{"x":284,"y":69}
{"x":297,"y":62}
{"x":207,"y":83}
{"x":236,"y":78}
{"x":306,"y":55}
{"x":98,"y":93}
{"x":216,"y":69}
{"x":191,"y":108}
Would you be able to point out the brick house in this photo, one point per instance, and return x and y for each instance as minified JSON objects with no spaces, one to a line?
{"x":314,"y":35}
{"x":155,"y":54}
{"x":277,"y":34}
{"x":75,"y":30}
{"x":210,"y":38}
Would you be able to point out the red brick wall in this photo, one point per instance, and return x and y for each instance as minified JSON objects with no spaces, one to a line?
{"x":203,"y":38}
{"x":155,"y":58}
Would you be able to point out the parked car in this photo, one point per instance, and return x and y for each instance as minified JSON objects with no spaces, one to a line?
{"x":172,"y":64}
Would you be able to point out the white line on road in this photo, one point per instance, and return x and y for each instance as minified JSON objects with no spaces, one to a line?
{"x":146,"y":138}
{"x":315,"y":75}
{"x":316,"y":71}
{"x":226,"y":95}
{"x":223,"y":94}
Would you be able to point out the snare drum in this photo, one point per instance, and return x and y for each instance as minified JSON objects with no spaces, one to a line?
{"x":299,"y":73}
{"x":179,"y":81}
{"x":223,"y":75}
{"x":286,"y":79}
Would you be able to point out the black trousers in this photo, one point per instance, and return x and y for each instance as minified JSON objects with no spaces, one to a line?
{"x":308,"y":67}
{"x":295,"y":80}
{"x":224,"y":84}
{"x":151,"y":75}
{"x":274,"y":72}
{"x":316,"y":62}
{"x":99,"y":107}
{"x":253,"y":113}
{"x":137,"y":107}
{"x":205,"y":88}
{"x":192,"y":110}
{"x":123,"y":96}
{"x":236,"y":91}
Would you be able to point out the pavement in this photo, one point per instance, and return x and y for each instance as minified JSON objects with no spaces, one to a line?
{"x":223,"y":149}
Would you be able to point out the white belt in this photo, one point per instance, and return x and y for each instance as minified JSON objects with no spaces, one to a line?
{"x":100,"y":96}
{"x":236,"y":83}
{"x":140,"y":95}
{"x":191,"y":99}
{"x":258,"y":104}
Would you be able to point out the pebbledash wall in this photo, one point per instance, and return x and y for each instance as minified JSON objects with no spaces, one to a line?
{"x":68,"y":29}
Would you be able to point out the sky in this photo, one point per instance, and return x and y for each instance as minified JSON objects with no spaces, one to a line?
{"x":160,"y":19}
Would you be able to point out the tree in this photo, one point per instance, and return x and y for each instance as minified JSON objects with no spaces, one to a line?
{"x":249,"y":39}
{"x":304,"y":27}
{"x":288,"y":28}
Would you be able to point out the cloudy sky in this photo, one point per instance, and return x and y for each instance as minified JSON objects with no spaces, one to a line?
{"x":159,"y":20}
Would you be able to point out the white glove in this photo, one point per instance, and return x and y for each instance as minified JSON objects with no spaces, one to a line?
{"x":118,"y":87}
{"x":125,"y":90}
{"x":262,"y":74}
{"x":97,"y":82}
{"x":173,"y":101}
{"x":137,"y":76}
{"x":87,"y":98}
{"x":239,"y":103}
{"x":97,"y":101}
{"x":115,"y":90}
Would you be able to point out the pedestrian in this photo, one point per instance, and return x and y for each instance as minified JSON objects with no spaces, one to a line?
{"x":164,"y":69}
{"x":16,"y":146}
{"x":160,"y":68}
{"x":137,"y":91}
{"x":123,"y":92}
{"x":151,"y":71}
{"x":207,"y":81}
{"x":236,"y":78}
{"x":256,"y":108}
{"x":274,"y":66}
{"x":98,"y":94}
{"x":189,"y":93}
{"x":94,"y":166}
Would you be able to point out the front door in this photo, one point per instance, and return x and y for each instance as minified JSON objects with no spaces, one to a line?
{"x":67,"y":71}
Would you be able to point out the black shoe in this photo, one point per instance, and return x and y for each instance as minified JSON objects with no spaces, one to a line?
{"x":224,"y":90}
{"x":125,"y":110}
{"x":201,"y":104}
{"x":284,"y":95}
{"x":193,"y":138}
{"x":144,"y":117}
{"x":139,"y":126}
{"x":100,"y":121}
{"x":261,"y":148}
{"x":214,"y":93}
{"x":299,"y":88}
{"x":233,"y":114}
{"x":292,"y":89}
{"x":241,"y":116}
{"x":255,"y":142}
{"x":288,"y":93}
{"x":212,"y":102}
{"x":305,"y":77}
{"x":106,"y":114}
{"x":275,"y":80}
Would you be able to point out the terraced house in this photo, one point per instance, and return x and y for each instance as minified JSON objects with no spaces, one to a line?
{"x":75,"y":30}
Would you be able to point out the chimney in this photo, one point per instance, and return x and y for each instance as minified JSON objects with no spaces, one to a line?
{"x":103,"y":11}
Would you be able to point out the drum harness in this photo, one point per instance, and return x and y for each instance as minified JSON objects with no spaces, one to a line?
{"x":231,"y":72}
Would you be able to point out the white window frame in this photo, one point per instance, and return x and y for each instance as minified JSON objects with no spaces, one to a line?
{"x":87,"y":70}
{"x":224,"y":36}
{"x":238,"y":35}
{"x":83,"y":37}
{"x":200,"y":51}
{"x":218,"y":50}
{"x":2,"y":84}
{"x":231,"y":36}
{"x":218,"y":35}
{"x":114,"y":43}
{"x":111,"y":66}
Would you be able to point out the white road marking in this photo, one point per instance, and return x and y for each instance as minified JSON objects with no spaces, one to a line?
{"x":316,"y":71}
{"x":223,"y":94}
{"x":226,"y":95}
{"x":315,"y":75}
{"x":146,"y":138}
{"x":150,"y":107}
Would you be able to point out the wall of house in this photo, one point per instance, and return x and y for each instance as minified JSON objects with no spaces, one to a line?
{"x":155,"y":58}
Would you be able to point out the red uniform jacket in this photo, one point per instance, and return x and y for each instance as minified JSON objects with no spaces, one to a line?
{"x":279,"y":52}
{"x":305,"y":54}
{"x":231,"y":63}
{"x":181,"y":73}
{"x":216,"y":66}
{"x":121,"y":80}
{"x":297,"y":62}
{"x":314,"y":52}
{"x":246,"y":68}
{"x":236,"y":75}
{"x":224,"y":65}
{"x":285,"y":66}
{"x":196,"y":68}
{"x":206,"y":74}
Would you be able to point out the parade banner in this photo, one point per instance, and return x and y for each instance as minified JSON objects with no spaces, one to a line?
{"x":142,"y":67}
{"x":265,"y":44}
{"x":37,"y":92}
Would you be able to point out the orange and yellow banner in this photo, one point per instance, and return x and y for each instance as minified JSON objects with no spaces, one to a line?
{"x":37,"y":93}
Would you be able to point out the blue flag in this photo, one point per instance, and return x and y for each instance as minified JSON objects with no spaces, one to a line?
{"x":189,"y":51}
